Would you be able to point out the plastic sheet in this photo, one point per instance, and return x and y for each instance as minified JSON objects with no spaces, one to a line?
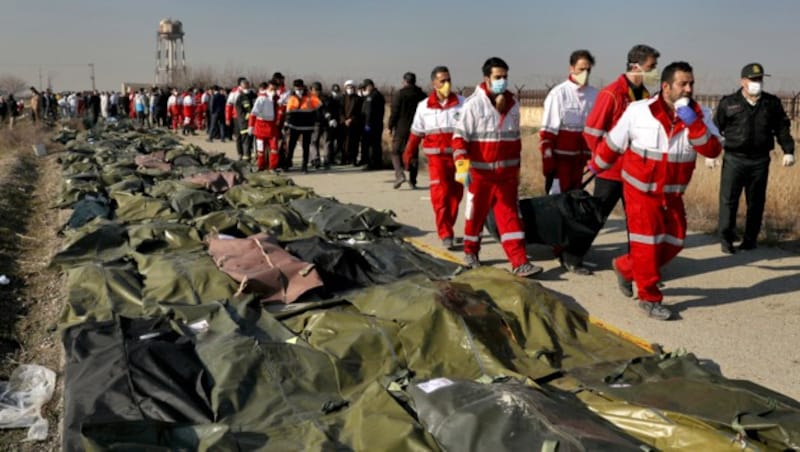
{"x":22,"y":398}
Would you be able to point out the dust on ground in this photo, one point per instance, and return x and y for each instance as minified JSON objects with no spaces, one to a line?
{"x":30,"y":305}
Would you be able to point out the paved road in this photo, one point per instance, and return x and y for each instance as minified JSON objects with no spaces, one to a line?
{"x":741,"y":311}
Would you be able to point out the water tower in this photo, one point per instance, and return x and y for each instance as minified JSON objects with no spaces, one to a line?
{"x":170,"y":55}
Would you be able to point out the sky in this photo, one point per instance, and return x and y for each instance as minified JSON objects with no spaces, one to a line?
{"x":335,"y":40}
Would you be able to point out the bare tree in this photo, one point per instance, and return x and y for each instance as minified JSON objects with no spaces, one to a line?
{"x":11,"y":84}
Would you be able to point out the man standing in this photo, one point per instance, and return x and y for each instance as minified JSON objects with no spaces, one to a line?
{"x":353,"y":125}
{"x":245,"y":99}
{"x":657,"y":141}
{"x":174,"y":110}
{"x":487,"y":147}
{"x":750,"y":120}
{"x":372,"y":110}
{"x":264,"y":128}
{"x":301,"y":116}
{"x":611,"y":102}
{"x":216,"y":110}
{"x":404,"y":105}
{"x":434,"y":120}
{"x":335,"y":127}
{"x":187,"y":101}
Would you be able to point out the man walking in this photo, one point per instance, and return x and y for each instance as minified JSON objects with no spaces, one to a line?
{"x":404,"y":105}
{"x":434,"y":120}
{"x":750,"y":120}
{"x":657,"y":141}
{"x":487,"y":148}
{"x":611,"y":102}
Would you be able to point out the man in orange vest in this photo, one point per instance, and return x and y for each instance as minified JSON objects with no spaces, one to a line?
{"x":301,"y":117}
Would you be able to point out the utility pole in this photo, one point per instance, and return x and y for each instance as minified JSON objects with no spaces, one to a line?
{"x":91,"y":74}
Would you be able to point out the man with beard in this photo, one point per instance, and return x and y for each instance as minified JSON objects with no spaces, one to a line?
{"x":657,"y":141}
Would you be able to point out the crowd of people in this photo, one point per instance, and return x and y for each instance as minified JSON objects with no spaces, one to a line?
{"x":640,"y":148}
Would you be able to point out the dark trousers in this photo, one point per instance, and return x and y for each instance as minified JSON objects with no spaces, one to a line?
{"x":372,"y":148}
{"x":321,"y":143}
{"x":244,"y":141}
{"x":609,"y":192}
{"x":399,"y":141}
{"x":216,"y":126}
{"x":352,"y":143}
{"x":748,"y":175}
{"x":294,"y":135}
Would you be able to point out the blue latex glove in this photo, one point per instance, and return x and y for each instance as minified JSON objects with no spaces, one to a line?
{"x":686,"y":114}
{"x":367,"y":129}
{"x":594,"y":170}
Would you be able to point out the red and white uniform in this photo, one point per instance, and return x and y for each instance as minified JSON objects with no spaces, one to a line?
{"x":188,"y":109}
{"x":230,"y":104}
{"x":263,"y":120}
{"x":174,"y":110}
{"x":201,"y":100}
{"x":433,"y":126}
{"x":564,"y":151}
{"x":490,"y":139}
{"x":657,"y":152}
{"x":611,"y":102}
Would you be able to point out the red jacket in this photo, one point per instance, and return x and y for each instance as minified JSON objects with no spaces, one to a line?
{"x":230,"y":104}
{"x":563,"y":120}
{"x":489,"y":138}
{"x":656,"y":151}
{"x":611,"y":102}
{"x":433,"y":126}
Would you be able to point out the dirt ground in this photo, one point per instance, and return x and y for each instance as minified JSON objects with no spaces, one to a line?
{"x":31,"y":303}
{"x":739,"y":311}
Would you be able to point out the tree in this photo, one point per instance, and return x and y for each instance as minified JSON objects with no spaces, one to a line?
{"x":11,"y":84}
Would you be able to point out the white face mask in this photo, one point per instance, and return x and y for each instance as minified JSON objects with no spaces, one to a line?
{"x":581,"y":78}
{"x":299,"y":92}
{"x":349,"y":91}
{"x":753,"y":88}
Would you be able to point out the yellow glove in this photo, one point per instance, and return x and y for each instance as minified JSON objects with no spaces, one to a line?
{"x":462,"y":171}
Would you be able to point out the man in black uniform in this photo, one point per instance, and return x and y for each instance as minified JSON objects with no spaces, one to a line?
{"x":244,"y":104}
{"x":372,"y":110}
{"x":750,"y":120}
{"x":404,"y":105}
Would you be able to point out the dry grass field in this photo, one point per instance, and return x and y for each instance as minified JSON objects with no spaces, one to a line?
{"x":781,"y":220}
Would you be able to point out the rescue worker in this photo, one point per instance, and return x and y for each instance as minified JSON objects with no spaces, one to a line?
{"x":301,"y":117}
{"x":564,"y":151}
{"x":174,"y":110}
{"x":750,"y":120}
{"x":264,"y":128}
{"x":657,"y":141}
{"x":611,"y":102}
{"x":404,"y":105}
{"x":187,"y":100}
{"x":487,"y":146}
{"x":351,"y":118}
{"x":561,"y":143}
{"x":372,"y":110}
{"x":245,"y":99}
{"x":434,"y":120}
